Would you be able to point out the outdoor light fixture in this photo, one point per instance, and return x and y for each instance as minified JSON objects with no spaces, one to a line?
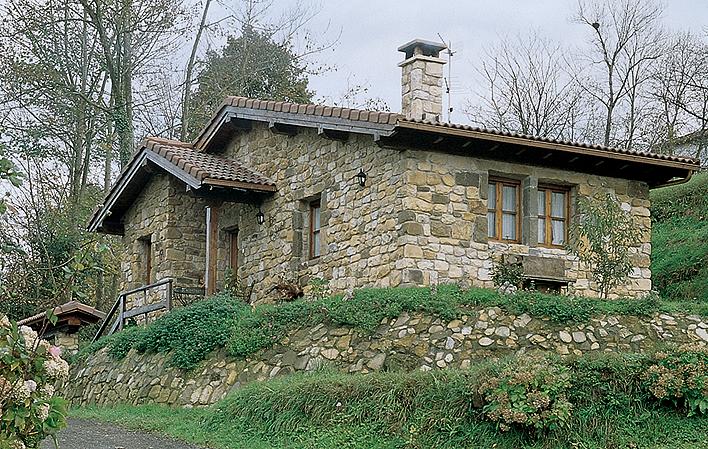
{"x":361,"y":177}
{"x":260,"y":218}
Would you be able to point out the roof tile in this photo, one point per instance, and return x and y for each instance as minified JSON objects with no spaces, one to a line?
{"x":392,"y":118}
{"x":205,"y":166}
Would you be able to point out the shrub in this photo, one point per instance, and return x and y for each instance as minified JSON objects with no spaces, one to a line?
{"x":606,"y":382}
{"x":681,"y":377}
{"x":528,"y":392}
{"x":601,"y":238}
{"x":122,"y":342}
{"x":507,"y":276}
{"x":190,"y":332}
{"x":29,"y":367}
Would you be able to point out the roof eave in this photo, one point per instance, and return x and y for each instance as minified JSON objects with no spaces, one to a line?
{"x":546,"y":145}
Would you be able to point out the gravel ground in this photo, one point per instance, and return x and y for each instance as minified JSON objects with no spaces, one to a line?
{"x":85,"y":434}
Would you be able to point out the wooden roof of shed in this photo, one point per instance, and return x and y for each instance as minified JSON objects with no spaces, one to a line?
{"x":80,"y":310}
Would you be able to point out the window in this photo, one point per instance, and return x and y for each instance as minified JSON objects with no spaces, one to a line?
{"x":315,"y":228}
{"x":146,"y":250}
{"x":503,"y":210}
{"x":552,"y":215}
{"x":233,"y":250}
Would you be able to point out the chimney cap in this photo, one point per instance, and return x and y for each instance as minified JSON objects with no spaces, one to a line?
{"x":423,"y":47}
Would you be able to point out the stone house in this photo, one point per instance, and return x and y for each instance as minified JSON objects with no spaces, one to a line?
{"x":277,"y":191}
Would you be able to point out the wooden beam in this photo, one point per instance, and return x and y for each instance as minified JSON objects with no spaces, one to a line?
{"x":281,"y":128}
{"x":212,"y":236}
{"x":332,"y":134}
{"x":556,"y":146}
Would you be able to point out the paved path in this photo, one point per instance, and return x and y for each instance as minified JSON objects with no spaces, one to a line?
{"x":85,"y":434}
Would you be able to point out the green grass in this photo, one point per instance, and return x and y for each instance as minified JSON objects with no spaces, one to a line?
{"x":419,"y":410}
{"x":191,"y":333}
{"x":680,"y":240}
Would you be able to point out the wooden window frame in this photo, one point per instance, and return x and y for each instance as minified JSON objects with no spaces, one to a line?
{"x":548,"y":218}
{"x":146,"y":249}
{"x":497,"y":209}
{"x":233,"y":249}
{"x":315,"y":205}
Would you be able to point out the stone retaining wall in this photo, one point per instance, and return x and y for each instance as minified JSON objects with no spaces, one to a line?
{"x":410,"y":342}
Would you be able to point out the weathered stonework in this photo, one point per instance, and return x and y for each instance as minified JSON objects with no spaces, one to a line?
{"x":444,"y":221}
{"x":420,"y":219}
{"x":409,"y":342}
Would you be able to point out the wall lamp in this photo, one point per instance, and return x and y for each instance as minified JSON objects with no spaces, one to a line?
{"x":260,"y":218}
{"x":361,"y":178}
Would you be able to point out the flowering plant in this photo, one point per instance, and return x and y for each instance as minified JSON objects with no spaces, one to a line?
{"x":681,"y":376}
{"x":29,"y":368}
{"x":529,"y":393}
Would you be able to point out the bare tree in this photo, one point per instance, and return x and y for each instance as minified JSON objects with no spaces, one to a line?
{"x":528,"y":91}
{"x":132,"y":35}
{"x":52,"y":86}
{"x":626,"y":38}
{"x":189,"y":71}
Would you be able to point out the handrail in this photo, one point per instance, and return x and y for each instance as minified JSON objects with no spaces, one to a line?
{"x":120,"y":304}
{"x":108,"y":318}
{"x":147,"y":287}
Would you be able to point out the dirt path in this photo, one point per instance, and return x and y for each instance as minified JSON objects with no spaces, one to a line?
{"x":85,"y":434}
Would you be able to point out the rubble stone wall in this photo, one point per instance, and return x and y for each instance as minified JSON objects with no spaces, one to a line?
{"x":420,"y":219}
{"x":443,"y":222}
{"x":410,"y":342}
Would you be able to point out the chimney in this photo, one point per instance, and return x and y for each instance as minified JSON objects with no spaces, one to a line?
{"x":421,"y":81}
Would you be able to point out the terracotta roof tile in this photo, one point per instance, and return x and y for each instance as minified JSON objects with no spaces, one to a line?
{"x":205,"y":167}
{"x":392,"y":118}
{"x":666,"y":157}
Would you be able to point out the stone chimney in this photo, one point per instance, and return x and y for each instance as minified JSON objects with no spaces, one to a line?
{"x":422,"y":77}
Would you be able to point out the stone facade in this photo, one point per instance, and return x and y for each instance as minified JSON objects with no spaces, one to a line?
{"x":419,"y":220}
{"x":443,"y":223}
{"x":410,"y":342}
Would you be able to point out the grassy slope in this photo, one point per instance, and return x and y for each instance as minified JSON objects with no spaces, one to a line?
{"x":417,"y":410}
{"x":680,"y":240}
{"x":191,"y":333}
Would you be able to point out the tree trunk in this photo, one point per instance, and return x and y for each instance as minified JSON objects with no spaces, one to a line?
{"x":186,"y":95}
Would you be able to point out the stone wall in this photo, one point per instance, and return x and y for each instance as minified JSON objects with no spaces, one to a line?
{"x":410,"y":342}
{"x":164,"y":216}
{"x":420,"y":219}
{"x":443,"y":223}
{"x":359,"y":232}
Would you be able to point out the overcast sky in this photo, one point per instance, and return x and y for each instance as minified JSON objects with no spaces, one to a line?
{"x":372,"y":30}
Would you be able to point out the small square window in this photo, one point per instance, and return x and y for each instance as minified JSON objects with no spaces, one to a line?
{"x":315,"y":230}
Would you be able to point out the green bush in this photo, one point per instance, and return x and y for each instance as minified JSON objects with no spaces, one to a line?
{"x":681,"y":377}
{"x":528,"y":392}
{"x":122,"y":342}
{"x":607,"y":382}
{"x":191,"y":333}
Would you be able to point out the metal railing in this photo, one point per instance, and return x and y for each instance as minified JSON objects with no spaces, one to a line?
{"x":118,"y":315}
